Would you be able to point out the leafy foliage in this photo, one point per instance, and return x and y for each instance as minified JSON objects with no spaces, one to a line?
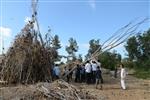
{"x":132,"y":48}
{"x":72,"y":48}
{"x":110,"y":60}
{"x":94,"y":45}
{"x":56,"y":42}
{"x":80,"y":58}
{"x":138,"y":49}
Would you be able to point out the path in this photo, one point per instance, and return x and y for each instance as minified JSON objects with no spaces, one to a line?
{"x":137,"y":89}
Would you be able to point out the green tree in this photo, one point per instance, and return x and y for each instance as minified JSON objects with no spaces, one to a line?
{"x":72,"y":48}
{"x":144,"y":46}
{"x":80,"y":58}
{"x":52,"y":43}
{"x":94,"y":45}
{"x":56,"y":42}
{"x":138,"y":49}
{"x":132,"y":48}
{"x":110,"y":59}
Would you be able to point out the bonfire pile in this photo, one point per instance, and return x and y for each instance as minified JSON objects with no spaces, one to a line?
{"x":28,"y":60}
{"x":58,"y":90}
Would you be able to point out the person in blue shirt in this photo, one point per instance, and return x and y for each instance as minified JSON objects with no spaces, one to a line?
{"x":56,"y":71}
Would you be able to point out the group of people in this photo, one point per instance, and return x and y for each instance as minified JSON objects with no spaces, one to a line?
{"x":89,"y":72}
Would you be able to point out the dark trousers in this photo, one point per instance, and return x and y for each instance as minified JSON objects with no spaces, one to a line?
{"x":94,"y":77}
{"x":68,"y":78}
{"x":88,"y":78}
{"x":56,"y":77}
{"x":101,"y":78}
{"x":77,"y":78}
{"x":83,"y":77}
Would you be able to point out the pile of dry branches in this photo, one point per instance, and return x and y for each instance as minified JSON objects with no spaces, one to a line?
{"x":28,"y":60}
{"x":58,"y":90}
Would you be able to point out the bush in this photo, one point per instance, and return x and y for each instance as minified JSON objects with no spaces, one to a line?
{"x":142,"y":73}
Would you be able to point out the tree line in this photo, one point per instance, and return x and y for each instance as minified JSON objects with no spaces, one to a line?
{"x":137,"y":47}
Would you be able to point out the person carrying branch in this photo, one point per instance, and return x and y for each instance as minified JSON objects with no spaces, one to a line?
{"x":88,"y":71}
{"x":98,"y":78}
{"x":77,"y":73}
{"x":94,"y":68}
{"x":82,"y":72}
{"x":65,"y":71}
{"x":99,"y":64}
{"x":56,"y":71}
{"x":70,"y":75}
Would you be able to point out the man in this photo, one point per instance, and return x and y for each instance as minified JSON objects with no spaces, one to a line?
{"x":115,"y":73}
{"x":94,"y":68}
{"x":77,"y":73}
{"x":56,"y":71}
{"x":88,"y":71}
{"x":123,"y":76}
{"x":70,"y":74}
{"x":99,"y":64}
{"x":82,"y":72}
{"x":98,"y":77}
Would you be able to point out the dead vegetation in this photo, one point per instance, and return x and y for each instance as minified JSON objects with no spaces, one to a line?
{"x":28,"y":61}
{"x":58,"y":90}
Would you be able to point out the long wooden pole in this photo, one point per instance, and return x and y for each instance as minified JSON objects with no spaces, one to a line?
{"x":130,"y":31}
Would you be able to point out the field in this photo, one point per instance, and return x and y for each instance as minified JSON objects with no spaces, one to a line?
{"x":137,"y":89}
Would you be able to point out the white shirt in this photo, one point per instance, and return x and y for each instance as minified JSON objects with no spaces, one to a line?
{"x":94,"y":66}
{"x":123,"y":73}
{"x":88,"y":68}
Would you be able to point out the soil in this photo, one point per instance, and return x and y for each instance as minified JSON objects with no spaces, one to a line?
{"x":137,"y":89}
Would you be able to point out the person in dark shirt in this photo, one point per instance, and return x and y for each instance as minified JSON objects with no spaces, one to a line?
{"x":98,"y":77}
{"x":70,"y":75}
{"x":82,"y":73}
{"x":65,"y":71}
{"x":77,"y":73}
{"x":115,"y":73}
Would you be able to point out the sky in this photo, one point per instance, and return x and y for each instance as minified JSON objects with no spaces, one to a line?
{"x":81,"y":19}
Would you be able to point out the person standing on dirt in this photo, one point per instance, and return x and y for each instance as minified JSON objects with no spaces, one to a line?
{"x":123,"y":76}
{"x":56,"y":71}
{"x":77,"y":73}
{"x":94,"y":68}
{"x":82,"y":72}
{"x":70,"y":74}
{"x":88,"y":71}
{"x":98,"y":77}
{"x":116,"y":70}
{"x":99,"y":64}
{"x":65,"y":72}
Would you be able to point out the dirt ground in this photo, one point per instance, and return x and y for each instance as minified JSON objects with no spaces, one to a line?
{"x":137,"y":89}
